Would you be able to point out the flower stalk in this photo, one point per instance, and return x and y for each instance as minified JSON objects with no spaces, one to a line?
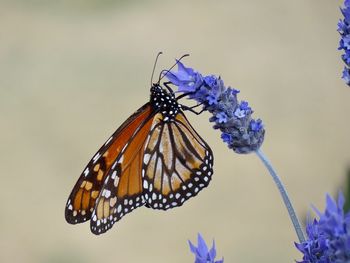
{"x":284,"y":195}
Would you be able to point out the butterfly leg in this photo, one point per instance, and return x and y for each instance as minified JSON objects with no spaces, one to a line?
{"x":191,"y":109}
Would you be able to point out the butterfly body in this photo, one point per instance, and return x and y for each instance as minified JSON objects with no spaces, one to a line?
{"x":154,"y":159}
{"x":164,"y":102}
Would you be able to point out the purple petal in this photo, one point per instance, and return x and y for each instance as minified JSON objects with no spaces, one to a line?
{"x":202,"y":246}
{"x":172,"y":78}
{"x":212,"y":252}
{"x":192,"y":247}
{"x":318,"y":212}
{"x":341,"y":200}
{"x":330,"y":204}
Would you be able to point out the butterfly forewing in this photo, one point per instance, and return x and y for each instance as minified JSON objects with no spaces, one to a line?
{"x":177,"y":163}
{"x":122,"y":191}
{"x":82,"y":199}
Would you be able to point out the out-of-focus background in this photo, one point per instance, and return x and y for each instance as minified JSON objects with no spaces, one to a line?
{"x":72,"y":71}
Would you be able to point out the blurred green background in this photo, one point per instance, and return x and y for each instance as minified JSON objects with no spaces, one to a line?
{"x":72,"y":71}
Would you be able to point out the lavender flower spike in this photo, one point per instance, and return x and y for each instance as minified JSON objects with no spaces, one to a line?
{"x":344,"y":44}
{"x":203,"y":255}
{"x":233,"y":118}
{"x":329,"y":236}
{"x":239,"y":131}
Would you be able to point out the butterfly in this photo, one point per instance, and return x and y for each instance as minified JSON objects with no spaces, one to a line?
{"x":154,"y":159}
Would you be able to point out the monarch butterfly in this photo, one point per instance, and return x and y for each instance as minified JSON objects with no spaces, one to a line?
{"x":155,"y":158}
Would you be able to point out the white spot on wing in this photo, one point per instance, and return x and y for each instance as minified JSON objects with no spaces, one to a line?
{"x":106,"y":193}
{"x":110,"y":138}
{"x":86,"y":172}
{"x":116,"y":181}
{"x":154,"y":196}
{"x":146,"y":158}
{"x":126,"y":145}
{"x":96,"y":157}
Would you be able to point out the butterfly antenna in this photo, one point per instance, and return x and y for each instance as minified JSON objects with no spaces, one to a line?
{"x":161,"y":75}
{"x":154,"y":66}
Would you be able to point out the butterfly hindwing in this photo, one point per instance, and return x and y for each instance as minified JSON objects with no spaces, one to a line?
{"x":122,"y":191}
{"x":177,"y":163}
{"x":82,"y":199}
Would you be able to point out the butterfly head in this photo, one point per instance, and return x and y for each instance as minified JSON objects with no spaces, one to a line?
{"x":164,"y":102}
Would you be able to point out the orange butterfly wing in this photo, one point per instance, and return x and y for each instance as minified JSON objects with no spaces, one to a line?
{"x":122,"y":190}
{"x":177,"y":163}
{"x":82,"y":199}
{"x":162,"y":165}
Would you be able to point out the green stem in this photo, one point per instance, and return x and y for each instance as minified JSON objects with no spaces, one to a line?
{"x":284,"y":195}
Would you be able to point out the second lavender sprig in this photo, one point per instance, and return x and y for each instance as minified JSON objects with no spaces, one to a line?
{"x":344,"y":43}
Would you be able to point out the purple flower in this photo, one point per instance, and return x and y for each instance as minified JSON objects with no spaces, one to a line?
{"x":341,"y":27}
{"x":344,"y":43}
{"x":226,"y":137}
{"x":346,"y":57}
{"x":239,"y":113}
{"x":212,"y":100}
{"x":211,"y":81}
{"x":256,"y":125}
{"x":239,"y":130}
{"x":346,"y":75}
{"x":186,"y":79}
{"x":203,"y":255}
{"x":221,"y":117}
{"x":242,"y":110}
{"x":234,"y":91}
{"x":329,"y":236}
